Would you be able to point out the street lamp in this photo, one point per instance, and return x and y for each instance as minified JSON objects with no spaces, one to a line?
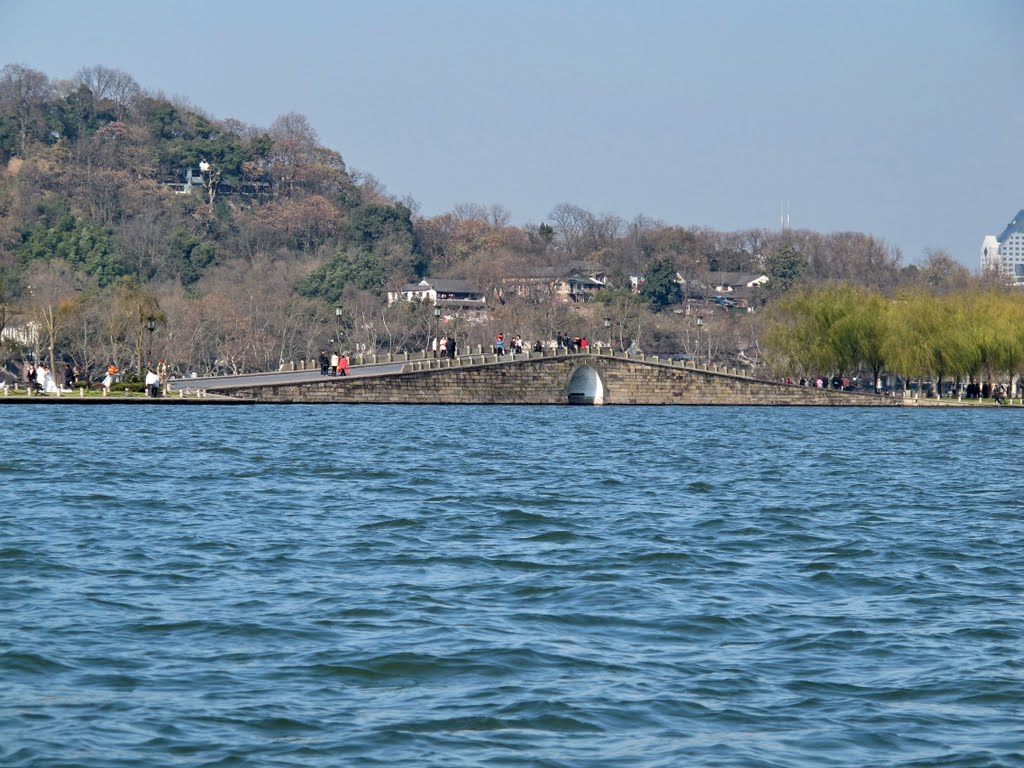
{"x":608,"y":331}
{"x":437,"y":328}
{"x":700,"y":323}
{"x":150,"y":326}
{"x":337,"y":313}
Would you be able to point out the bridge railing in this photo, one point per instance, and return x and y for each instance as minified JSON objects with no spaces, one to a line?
{"x":426,"y":362}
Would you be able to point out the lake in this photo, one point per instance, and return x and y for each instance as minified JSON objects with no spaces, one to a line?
{"x":510,"y":586}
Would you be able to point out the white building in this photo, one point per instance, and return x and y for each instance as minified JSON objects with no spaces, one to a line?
{"x":441,"y":291}
{"x":1006,"y":252}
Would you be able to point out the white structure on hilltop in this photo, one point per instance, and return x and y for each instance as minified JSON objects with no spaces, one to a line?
{"x":1005,"y":253}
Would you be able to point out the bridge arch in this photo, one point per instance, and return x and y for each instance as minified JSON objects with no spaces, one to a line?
{"x":585,"y":387}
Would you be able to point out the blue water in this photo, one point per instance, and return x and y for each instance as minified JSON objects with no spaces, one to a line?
{"x":510,"y":586}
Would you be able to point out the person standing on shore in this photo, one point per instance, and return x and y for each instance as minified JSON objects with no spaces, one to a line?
{"x":108,"y":382}
{"x":152,"y":383}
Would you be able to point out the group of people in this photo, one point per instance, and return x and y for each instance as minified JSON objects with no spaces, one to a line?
{"x":156,"y":378}
{"x":574,"y":344}
{"x":836,"y":382}
{"x":984,"y":391}
{"x":444,"y":346}
{"x":333,"y":365}
{"x":515,"y":344}
{"x":40,"y":378}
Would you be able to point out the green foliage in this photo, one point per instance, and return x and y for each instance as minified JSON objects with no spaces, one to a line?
{"x":841,"y":328}
{"x":362,"y":270}
{"x":164,"y":120}
{"x":785,"y":268}
{"x":189,"y":256}
{"x":613,"y":296}
{"x":661,"y":288}
{"x":369,"y":224}
{"x":9,"y":139}
{"x":829,"y":329}
{"x":86,"y":246}
{"x":379,"y":241}
{"x":79,"y":115}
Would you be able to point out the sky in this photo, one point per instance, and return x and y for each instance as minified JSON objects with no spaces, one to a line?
{"x":902,"y":119}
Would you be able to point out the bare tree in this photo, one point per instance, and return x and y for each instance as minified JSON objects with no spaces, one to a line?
{"x":23,"y":96}
{"x":942,"y":273}
{"x":294,"y":153}
{"x":112,"y":85}
{"x":53,"y":298}
{"x":571,"y":223}
{"x":136,"y":306}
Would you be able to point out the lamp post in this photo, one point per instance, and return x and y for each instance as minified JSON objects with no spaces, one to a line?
{"x":150,"y":326}
{"x":338,"y":310}
{"x":437,"y":329}
{"x":700,"y":324}
{"x":608,"y":331}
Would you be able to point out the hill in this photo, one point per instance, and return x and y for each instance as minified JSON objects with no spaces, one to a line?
{"x":120,"y":207}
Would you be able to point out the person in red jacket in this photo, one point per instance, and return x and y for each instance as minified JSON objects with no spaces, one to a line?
{"x":343,"y":365}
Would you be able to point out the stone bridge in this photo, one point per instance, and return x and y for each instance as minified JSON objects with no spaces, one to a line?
{"x":550,"y":378}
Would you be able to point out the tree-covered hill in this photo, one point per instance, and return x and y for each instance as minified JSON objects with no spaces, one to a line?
{"x":119,"y":206}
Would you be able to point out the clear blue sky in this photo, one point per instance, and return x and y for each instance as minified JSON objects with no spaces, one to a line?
{"x":900,"y":119}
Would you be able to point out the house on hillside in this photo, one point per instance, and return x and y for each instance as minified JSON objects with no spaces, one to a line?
{"x":191,"y":179}
{"x":576,"y":282}
{"x":451,"y":294}
{"x":576,"y":288}
{"x":730,"y":289}
{"x":730,"y":282}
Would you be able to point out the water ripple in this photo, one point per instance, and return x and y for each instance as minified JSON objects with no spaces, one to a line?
{"x":512,"y":587}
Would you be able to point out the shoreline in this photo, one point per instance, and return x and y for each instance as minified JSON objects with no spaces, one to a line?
{"x":225,"y":400}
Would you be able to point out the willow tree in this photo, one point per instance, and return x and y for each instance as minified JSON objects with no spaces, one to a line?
{"x":866,"y":328}
{"x":792,"y":333}
{"x":931,"y":337}
{"x":1004,"y":321}
{"x":835,"y":328}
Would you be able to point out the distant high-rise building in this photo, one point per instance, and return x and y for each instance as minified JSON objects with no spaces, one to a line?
{"x":1006,"y":252}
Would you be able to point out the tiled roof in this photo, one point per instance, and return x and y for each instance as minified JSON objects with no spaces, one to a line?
{"x":441,"y":285}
